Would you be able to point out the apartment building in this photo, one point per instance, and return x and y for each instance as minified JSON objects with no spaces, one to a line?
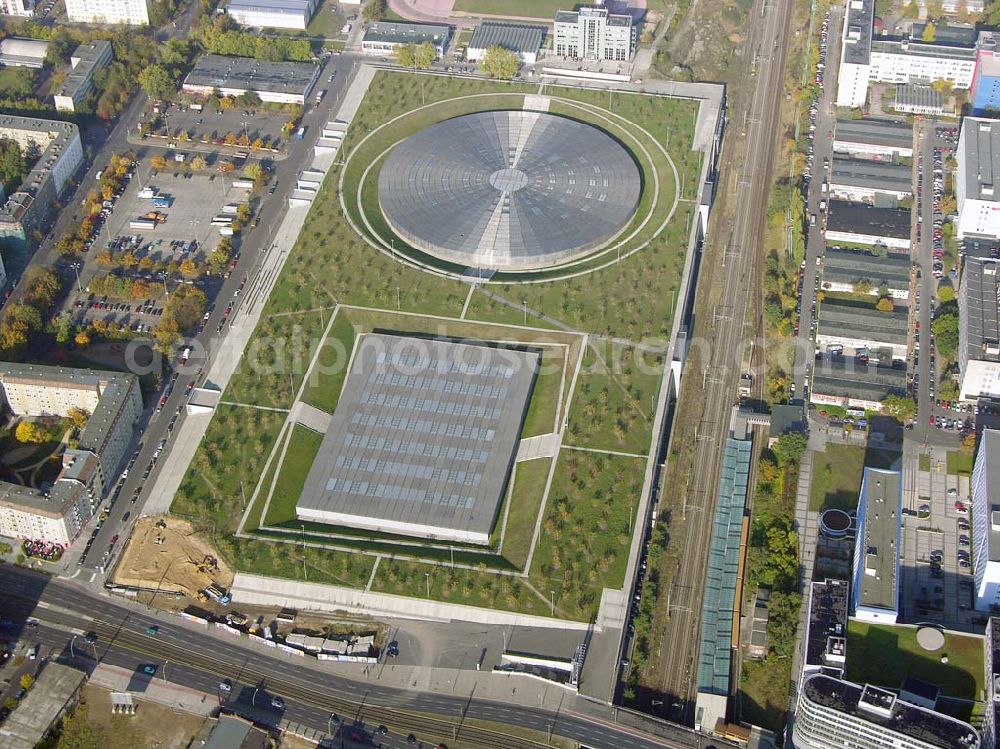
{"x":986,"y":521}
{"x":128,"y":12}
{"x":86,"y":60}
{"x":833,"y":714}
{"x":875,"y":585}
{"x":114,"y":403}
{"x":977,"y":191}
{"x":593,"y":33}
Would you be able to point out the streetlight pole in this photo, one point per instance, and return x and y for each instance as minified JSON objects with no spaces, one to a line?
{"x":76,"y":270}
{"x":165,"y":670}
{"x":427,"y":577}
{"x":552,"y":600}
{"x":302,"y":538}
{"x":72,"y":654}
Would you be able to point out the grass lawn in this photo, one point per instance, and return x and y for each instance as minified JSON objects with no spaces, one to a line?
{"x":837,"y":472}
{"x":612,"y":407}
{"x":959,"y":463}
{"x":524,"y":8}
{"x":303,"y":444}
{"x":327,"y":377}
{"x":529,"y":486}
{"x":884,"y":655}
{"x":327,"y":22}
{"x":836,"y":477}
{"x":764,"y":691}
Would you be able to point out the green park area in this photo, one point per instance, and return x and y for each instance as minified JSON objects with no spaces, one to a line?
{"x":565,"y":525}
{"x":837,"y":474}
{"x":884,"y":655}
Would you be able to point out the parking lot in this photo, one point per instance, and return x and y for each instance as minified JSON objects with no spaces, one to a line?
{"x":211,"y":125}
{"x":156,"y":254}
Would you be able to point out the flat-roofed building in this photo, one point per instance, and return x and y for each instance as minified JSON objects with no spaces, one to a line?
{"x":16,"y":52}
{"x":280,"y":82}
{"x":986,"y":521}
{"x":522,"y":39}
{"x":826,"y":628}
{"x":833,"y":714}
{"x":949,"y":58}
{"x":873,"y":139}
{"x":423,"y":439}
{"x":113,"y":403}
{"x":977,"y":190}
{"x":54,"y":693}
{"x":855,"y":54}
{"x":985,"y":96}
{"x":875,"y":585}
{"x":272,"y":14}
{"x":381,"y":39}
{"x":61,"y":155}
{"x":854,"y":328}
{"x":129,"y":12}
{"x":919,"y":98}
{"x":864,"y":224}
{"x":979,"y":328}
{"x":862,"y":180}
{"x":857,"y":271}
{"x":991,"y":715}
{"x":86,"y":60}
{"x":844,"y":381}
{"x":593,"y":33}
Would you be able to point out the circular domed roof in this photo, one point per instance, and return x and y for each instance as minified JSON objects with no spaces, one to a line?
{"x":509,"y":190}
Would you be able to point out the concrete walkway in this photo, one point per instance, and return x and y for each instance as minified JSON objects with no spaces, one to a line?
{"x":174,"y":696}
{"x":541,"y":446}
{"x":311,"y":417}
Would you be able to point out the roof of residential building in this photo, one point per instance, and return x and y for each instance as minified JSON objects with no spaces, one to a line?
{"x":871,"y":175}
{"x":30,"y":721}
{"x":955,"y":34}
{"x":573,"y":16}
{"x":850,"y":266}
{"x":87,"y":58}
{"x":910,"y":95}
{"x":844,"y":378}
{"x":858,"y":27}
{"x":862,"y":322}
{"x":980,"y":157}
{"x":246,"y":73}
{"x":855,"y":218}
{"x":401,"y":32}
{"x":17,"y":51}
{"x":912,"y":48}
{"x":516,"y":37}
{"x":979,"y":306}
{"x":826,"y":633}
{"x":283,"y":7}
{"x":52,"y":136}
{"x":881,"y":707}
{"x":879,"y":517}
{"x":988,"y":460}
{"x":874,"y":132}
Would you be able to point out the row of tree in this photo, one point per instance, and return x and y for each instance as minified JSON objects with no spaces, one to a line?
{"x":24,"y":319}
{"x":222,"y":36}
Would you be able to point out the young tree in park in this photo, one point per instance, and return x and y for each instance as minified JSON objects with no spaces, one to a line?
{"x":499,"y":63}
{"x":375,"y":10}
{"x":226,"y":167}
{"x":899,"y":407}
{"x":198,"y":163}
{"x":156,"y":82}
{"x":158,"y":162}
{"x":29,"y":432}
{"x":424,"y":55}
{"x":406,"y":55}
{"x":884,"y":305}
{"x":82,"y":339}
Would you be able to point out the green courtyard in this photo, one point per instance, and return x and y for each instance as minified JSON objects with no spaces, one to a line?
{"x":566,"y":522}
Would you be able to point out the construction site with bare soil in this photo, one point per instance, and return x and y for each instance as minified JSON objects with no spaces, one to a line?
{"x":165,"y":556}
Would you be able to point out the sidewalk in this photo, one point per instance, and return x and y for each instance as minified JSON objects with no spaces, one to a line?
{"x":156,"y":689}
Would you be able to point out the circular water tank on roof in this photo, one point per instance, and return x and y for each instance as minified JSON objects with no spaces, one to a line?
{"x":835,"y":524}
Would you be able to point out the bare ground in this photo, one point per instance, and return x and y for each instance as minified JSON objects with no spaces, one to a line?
{"x":165,"y":553}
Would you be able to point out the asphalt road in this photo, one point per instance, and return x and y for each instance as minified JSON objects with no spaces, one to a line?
{"x":815,"y":243}
{"x":154,"y":428}
{"x":201,"y":659}
{"x":768,"y":29}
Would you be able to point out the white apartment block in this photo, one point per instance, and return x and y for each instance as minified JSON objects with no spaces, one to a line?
{"x":986,"y":521}
{"x":24,"y":8}
{"x":592,"y":33}
{"x":833,"y":714}
{"x":855,"y":58}
{"x":976,"y":190}
{"x":129,"y":12}
{"x":114,"y":404}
